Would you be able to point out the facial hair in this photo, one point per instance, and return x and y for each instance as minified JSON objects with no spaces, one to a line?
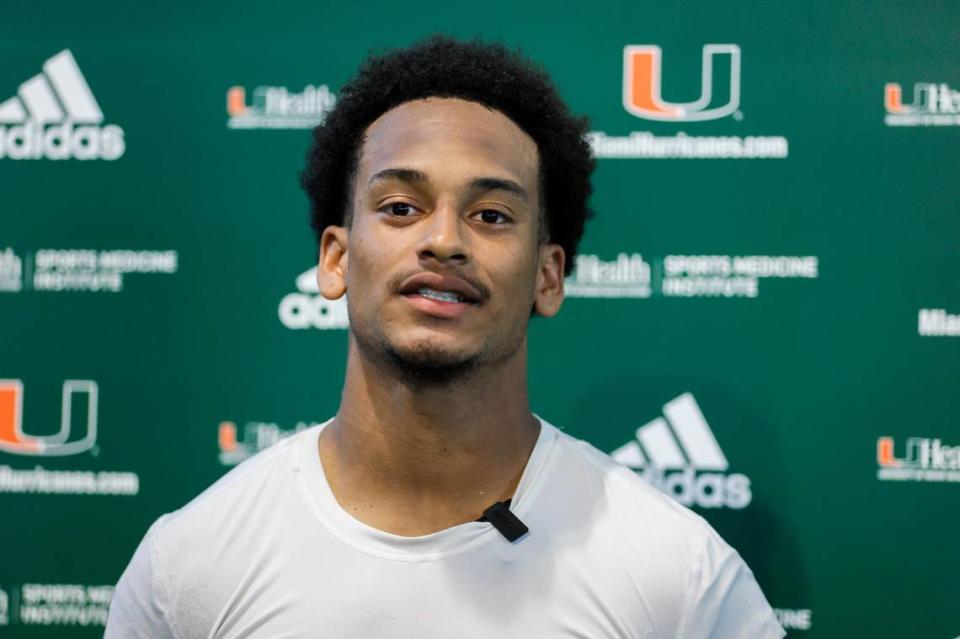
{"x":425,"y":363}
{"x":428,"y":366}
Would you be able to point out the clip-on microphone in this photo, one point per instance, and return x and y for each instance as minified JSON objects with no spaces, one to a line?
{"x":505,"y":521}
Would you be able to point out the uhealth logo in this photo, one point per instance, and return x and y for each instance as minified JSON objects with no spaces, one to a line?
{"x":679,"y":455}
{"x":626,"y":276}
{"x":642,"y":85}
{"x":925,"y":459}
{"x":931,"y":322}
{"x":257,"y":436}
{"x":310,"y":309}
{"x":278,"y":108}
{"x":55,"y":116}
{"x":934,"y":104}
{"x":67,"y":441}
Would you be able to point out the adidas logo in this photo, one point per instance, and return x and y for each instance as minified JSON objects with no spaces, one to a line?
{"x":55,"y":116}
{"x":309,"y":309}
{"x":678,"y":454}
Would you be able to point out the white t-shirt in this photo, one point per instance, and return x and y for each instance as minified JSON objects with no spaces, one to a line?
{"x":267,"y":551}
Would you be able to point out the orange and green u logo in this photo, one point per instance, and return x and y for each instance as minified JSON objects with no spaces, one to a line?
{"x":236,"y":101}
{"x":885,"y":453}
{"x":642,"y":85}
{"x":64,"y":442}
{"x":893,"y":99}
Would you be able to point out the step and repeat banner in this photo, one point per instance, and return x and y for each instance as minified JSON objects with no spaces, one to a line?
{"x":764,"y":320}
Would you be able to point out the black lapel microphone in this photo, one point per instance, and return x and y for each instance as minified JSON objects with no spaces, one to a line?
{"x":508,"y":524}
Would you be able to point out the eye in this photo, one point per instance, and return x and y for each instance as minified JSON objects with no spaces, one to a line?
{"x":399,"y":209}
{"x":492,"y":216}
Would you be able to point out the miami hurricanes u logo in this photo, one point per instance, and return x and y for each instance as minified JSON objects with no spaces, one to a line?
{"x":14,"y":440}
{"x":641,"y":85}
{"x":893,"y":99}
{"x":885,"y":453}
{"x":236,"y":101}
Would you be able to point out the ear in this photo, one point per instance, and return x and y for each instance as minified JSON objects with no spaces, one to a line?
{"x":549,"y":291}
{"x":332,"y":268}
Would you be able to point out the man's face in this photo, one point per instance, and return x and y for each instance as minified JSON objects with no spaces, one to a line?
{"x":442,"y":261}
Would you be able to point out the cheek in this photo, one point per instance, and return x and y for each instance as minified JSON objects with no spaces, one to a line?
{"x":362,"y":252}
{"x":517,"y":275}
{"x":360,"y":272}
{"x":375,"y":258}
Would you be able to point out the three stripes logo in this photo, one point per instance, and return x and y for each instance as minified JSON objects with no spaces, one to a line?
{"x":720,"y":74}
{"x":64,"y":442}
{"x":678,"y":454}
{"x":55,"y":116}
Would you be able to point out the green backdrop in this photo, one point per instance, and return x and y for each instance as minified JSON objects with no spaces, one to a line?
{"x":764,"y":320}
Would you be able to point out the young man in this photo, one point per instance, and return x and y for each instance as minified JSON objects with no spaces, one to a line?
{"x":448,"y":191}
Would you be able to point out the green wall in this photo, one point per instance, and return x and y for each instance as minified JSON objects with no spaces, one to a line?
{"x":161,"y":278}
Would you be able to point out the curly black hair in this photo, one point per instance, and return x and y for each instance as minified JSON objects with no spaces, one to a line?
{"x":489,"y":74}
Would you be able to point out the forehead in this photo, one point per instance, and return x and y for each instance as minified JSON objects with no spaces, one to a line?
{"x":444,"y":136}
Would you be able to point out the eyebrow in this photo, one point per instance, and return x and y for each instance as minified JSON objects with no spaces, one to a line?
{"x":413,"y":176}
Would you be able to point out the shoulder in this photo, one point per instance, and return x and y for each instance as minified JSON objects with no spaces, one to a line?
{"x":236,"y":511}
{"x":629,"y":524}
{"x":250,"y":486}
{"x":629,"y":499}
{"x":139,"y":604}
{"x":190,"y":557}
{"x":660,"y":551}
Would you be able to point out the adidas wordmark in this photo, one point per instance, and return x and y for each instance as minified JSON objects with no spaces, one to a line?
{"x":54,"y":116}
{"x":685,"y":461}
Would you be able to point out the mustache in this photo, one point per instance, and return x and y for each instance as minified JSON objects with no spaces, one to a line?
{"x":397,"y":281}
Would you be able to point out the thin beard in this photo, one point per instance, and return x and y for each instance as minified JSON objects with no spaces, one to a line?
{"x":424,"y":372}
{"x":428,"y":371}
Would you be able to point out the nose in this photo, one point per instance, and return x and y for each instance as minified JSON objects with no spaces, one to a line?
{"x":443,"y":237}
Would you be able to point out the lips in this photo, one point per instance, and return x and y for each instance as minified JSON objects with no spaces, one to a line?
{"x":444,"y":289}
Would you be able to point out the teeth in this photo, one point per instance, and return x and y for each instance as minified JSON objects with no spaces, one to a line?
{"x":442,"y":296}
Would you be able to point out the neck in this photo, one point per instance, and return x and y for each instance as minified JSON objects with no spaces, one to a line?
{"x":451,"y":450}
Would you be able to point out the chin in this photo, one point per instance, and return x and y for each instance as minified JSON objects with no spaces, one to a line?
{"x":429,"y":363}
{"x":427,"y":360}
